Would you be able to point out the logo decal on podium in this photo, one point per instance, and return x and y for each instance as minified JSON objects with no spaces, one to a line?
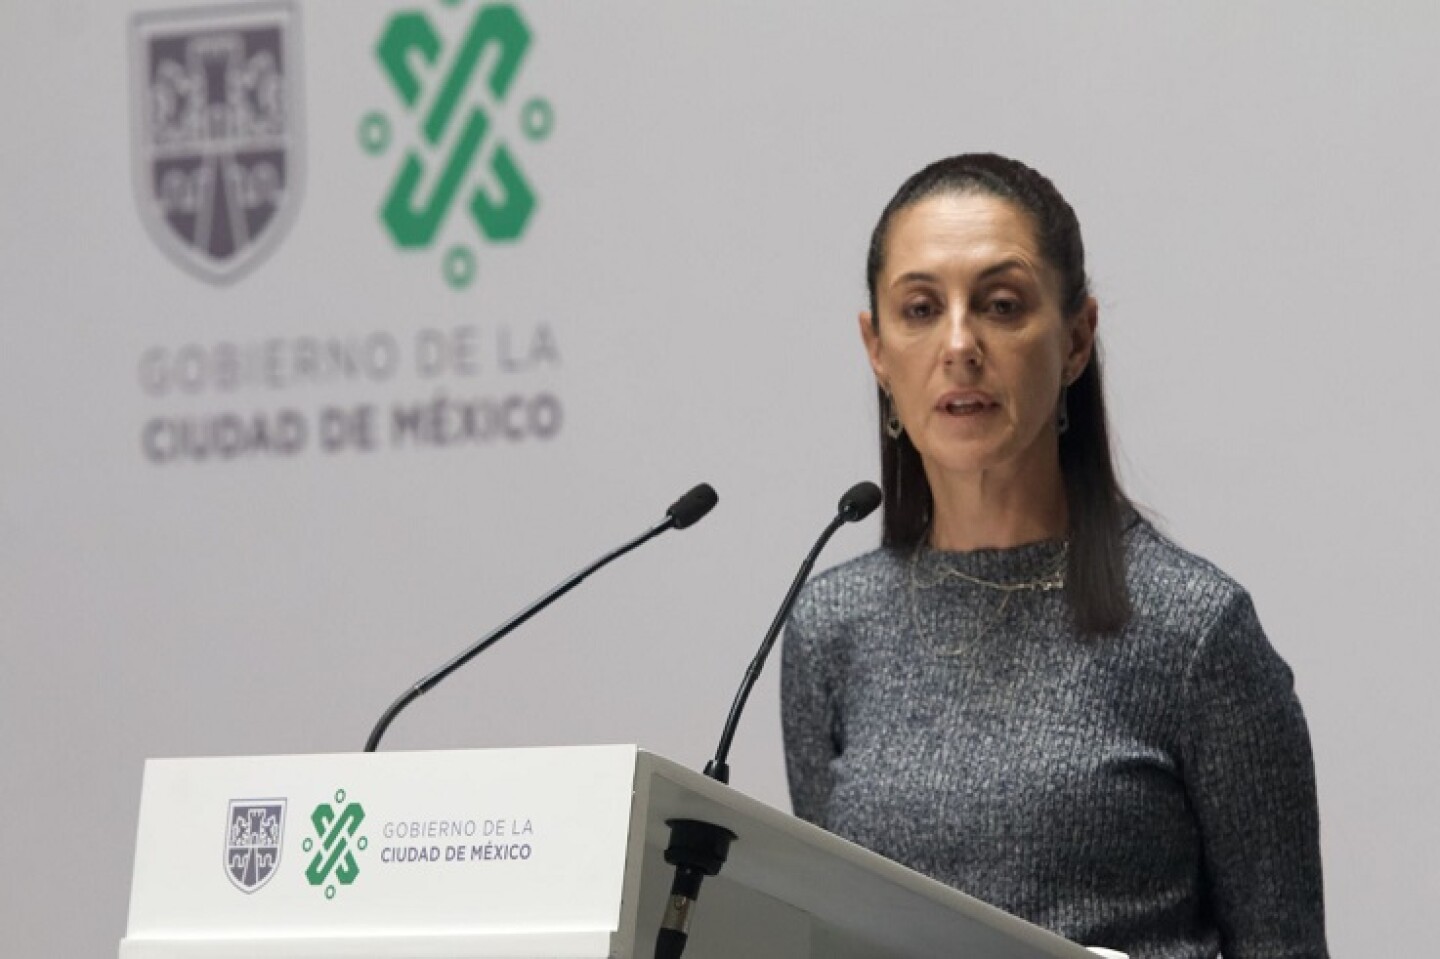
{"x":217,"y":137}
{"x":336,"y":831}
{"x":252,"y":841}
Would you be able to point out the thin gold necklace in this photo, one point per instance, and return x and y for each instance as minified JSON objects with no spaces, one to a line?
{"x":1053,"y":580}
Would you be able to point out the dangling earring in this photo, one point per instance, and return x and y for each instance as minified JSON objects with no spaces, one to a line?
{"x":893,"y":426}
{"x":1062,"y":413}
{"x":899,"y":474}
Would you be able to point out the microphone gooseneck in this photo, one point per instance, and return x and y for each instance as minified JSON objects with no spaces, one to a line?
{"x":698,"y":849}
{"x":858,"y":502}
{"x":686,"y":511}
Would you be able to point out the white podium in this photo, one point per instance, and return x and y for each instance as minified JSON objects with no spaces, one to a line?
{"x":512,"y":854}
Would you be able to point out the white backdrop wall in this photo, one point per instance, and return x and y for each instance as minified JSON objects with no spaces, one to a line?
{"x":1257,"y":186}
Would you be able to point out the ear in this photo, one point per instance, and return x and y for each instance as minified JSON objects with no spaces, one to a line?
{"x":871,"y":337}
{"x":1082,"y":340}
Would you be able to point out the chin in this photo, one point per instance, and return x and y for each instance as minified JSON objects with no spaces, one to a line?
{"x":981,"y":454}
{"x":974,"y":460}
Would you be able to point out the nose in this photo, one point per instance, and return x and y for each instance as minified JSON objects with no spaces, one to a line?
{"x":962,"y":343}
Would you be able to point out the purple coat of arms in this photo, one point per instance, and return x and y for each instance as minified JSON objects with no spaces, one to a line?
{"x":253,"y":836}
{"x":217,"y":134}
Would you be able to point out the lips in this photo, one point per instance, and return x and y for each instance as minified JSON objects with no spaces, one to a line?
{"x":968,"y":403}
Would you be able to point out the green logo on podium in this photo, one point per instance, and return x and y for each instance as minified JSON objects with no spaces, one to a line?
{"x":334,"y":844}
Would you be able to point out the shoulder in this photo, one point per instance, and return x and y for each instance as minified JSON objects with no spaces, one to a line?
{"x":834,"y":608}
{"x":1186,"y":602}
{"x":856,"y":583}
{"x":853,"y":589}
{"x":1172,"y":588}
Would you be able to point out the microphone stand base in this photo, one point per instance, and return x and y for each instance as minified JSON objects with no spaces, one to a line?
{"x":697,"y":849}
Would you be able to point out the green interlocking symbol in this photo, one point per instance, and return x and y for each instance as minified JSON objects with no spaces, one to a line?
{"x":334,"y":858}
{"x":456,"y":156}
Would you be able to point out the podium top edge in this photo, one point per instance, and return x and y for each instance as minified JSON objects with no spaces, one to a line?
{"x":619,"y":748}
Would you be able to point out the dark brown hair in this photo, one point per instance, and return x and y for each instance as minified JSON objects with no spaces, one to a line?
{"x":1095,"y":577}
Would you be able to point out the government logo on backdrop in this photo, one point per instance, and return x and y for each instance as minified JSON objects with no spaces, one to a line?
{"x":452,"y":76}
{"x":253,"y":836}
{"x":217,"y":140}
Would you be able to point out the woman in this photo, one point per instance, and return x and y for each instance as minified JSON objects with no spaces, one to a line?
{"x":1027,"y":692}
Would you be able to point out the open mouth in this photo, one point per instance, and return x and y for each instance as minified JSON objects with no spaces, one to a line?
{"x":968,"y":406}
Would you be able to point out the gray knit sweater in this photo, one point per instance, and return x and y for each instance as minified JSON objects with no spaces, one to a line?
{"x":1151,"y":792}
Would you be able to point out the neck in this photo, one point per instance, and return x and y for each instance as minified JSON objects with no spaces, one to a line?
{"x":989,"y":509}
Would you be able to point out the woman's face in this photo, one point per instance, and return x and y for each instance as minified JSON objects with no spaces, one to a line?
{"x":971,"y":342}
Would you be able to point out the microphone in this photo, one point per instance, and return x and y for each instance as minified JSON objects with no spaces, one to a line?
{"x":858,"y":502}
{"x":690,"y":508}
{"x":698,"y":849}
{"x":683,"y":513}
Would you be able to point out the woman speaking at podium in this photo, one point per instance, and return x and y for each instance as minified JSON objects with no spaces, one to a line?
{"x":1028,"y":692}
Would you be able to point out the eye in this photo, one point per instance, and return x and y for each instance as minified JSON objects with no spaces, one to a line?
{"x":1004,"y":306}
{"x":922,"y":308}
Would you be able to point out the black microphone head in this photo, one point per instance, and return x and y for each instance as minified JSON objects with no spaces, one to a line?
{"x":859,"y":501}
{"x":692,"y":507}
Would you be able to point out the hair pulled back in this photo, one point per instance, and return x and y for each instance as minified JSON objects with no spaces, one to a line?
{"x":1095,"y":577}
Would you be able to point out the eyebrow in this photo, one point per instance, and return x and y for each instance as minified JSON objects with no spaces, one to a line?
{"x":1004,"y":266}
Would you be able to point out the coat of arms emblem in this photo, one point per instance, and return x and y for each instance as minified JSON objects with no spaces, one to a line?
{"x":217,"y":139}
{"x":252,"y":841}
